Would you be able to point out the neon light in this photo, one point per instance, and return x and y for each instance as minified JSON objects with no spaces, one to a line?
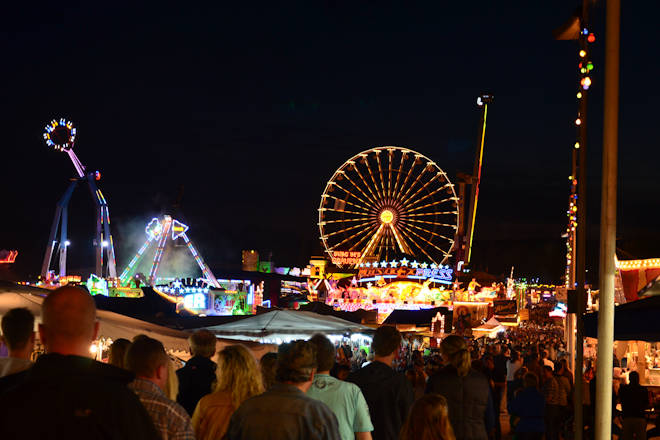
{"x":8,"y":257}
{"x":476,"y":194}
{"x":60,"y":135}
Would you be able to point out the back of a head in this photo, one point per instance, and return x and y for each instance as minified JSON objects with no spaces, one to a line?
{"x":428,"y":419}
{"x":238,"y":373}
{"x":325,"y":352}
{"x":387,"y":340}
{"x":17,"y":328}
{"x":296,"y":362}
{"x":530,"y":380}
{"x":202,"y":343}
{"x":633,"y":377}
{"x":68,"y":321}
{"x":118,"y":352}
{"x":144,"y":356}
{"x":268,"y":366}
{"x":454,"y":349}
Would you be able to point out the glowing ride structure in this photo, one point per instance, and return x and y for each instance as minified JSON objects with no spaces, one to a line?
{"x":162,"y":231}
{"x":388,"y":201}
{"x":61,"y":135}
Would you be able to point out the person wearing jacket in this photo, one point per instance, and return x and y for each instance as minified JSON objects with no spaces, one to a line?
{"x":471,"y":410}
{"x":529,"y":407}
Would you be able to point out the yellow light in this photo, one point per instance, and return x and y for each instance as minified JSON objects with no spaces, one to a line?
{"x":579,"y":95}
{"x":386,"y":216}
{"x":578,"y":121}
{"x":583,"y":53}
{"x":577,"y":145}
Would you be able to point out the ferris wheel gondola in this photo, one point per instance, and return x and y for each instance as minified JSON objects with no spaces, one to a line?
{"x":388,"y":201}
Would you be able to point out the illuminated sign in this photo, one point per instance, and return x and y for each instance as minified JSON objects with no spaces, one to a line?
{"x":194,"y":301}
{"x":8,"y":257}
{"x":345,"y":257}
{"x":439,"y":273}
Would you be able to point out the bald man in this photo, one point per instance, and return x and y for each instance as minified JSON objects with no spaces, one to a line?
{"x":78,"y":397}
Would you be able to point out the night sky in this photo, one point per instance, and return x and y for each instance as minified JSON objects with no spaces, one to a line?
{"x":247,"y":110}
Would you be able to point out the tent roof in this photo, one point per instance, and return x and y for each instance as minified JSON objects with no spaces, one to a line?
{"x":287,"y":322}
{"x":112,"y":325}
{"x":493,"y":321}
{"x":417,"y":317}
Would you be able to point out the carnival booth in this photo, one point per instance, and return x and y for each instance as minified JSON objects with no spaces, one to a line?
{"x":489,"y":329}
{"x":281,"y":326}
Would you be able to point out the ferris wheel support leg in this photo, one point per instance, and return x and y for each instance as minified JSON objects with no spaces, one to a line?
{"x":61,"y":204}
{"x":63,"y":240}
{"x":167,"y":225}
{"x":200,"y":261}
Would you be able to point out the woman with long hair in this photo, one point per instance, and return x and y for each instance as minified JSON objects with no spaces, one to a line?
{"x":238,"y":378}
{"x":428,"y":420}
{"x":471,"y":409}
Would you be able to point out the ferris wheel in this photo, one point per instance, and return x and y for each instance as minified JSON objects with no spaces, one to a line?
{"x":389,"y":201}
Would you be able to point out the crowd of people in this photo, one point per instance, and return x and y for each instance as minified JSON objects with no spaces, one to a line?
{"x":309,"y":389}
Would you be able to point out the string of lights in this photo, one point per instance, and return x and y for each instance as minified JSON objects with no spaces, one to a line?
{"x":585,"y":68}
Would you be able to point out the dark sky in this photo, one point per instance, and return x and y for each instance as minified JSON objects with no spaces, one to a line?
{"x":251,"y":107}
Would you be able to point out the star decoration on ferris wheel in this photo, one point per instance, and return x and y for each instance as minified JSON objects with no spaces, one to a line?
{"x":434,"y":266}
{"x":367,"y":264}
{"x":414,"y":264}
{"x":383,"y":264}
{"x":404,"y":262}
{"x":424,"y":265}
{"x":394,"y":263}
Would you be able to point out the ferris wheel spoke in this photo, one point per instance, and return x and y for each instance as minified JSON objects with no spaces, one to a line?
{"x":343,"y":220}
{"x":403,"y":246}
{"x":366,"y":210}
{"x":399,"y":172}
{"x":431,"y":194}
{"x":390,"y":153}
{"x":403,"y":232}
{"x":382,"y":177}
{"x":437,"y":202}
{"x":375,"y":239}
{"x":434,"y":213}
{"x":408,"y":175}
{"x":431,"y":232}
{"x":346,"y":240}
{"x":375,"y":197}
{"x":410,"y":200}
{"x":426,"y":222}
{"x":350,"y":193}
{"x":417,"y":179}
{"x":340,"y":231}
{"x":345,"y":211}
{"x":446,"y":254}
{"x":367,"y":233}
{"x":373,"y":201}
{"x":371,"y":174}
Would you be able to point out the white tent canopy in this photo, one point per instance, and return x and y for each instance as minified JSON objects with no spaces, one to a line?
{"x":112,"y":325}
{"x":286,"y":325}
{"x":490,"y":328}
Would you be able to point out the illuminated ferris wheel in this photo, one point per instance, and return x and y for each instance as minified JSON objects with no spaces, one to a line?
{"x":389,"y":201}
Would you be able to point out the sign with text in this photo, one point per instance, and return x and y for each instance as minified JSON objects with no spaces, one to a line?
{"x":505,"y":307}
{"x":444,"y":274}
{"x":341,"y":258}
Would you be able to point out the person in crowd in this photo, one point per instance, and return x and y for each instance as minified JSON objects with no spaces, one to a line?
{"x":284,"y":411}
{"x":18,"y":335}
{"x":416,"y":374}
{"x":387,"y":392}
{"x":118,"y":352}
{"x":238,"y":379}
{"x":343,"y":398}
{"x":513,"y":364}
{"x":467,"y":391}
{"x":172,"y":385}
{"x":147,"y":359}
{"x":634,"y":400}
{"x":551,"y":393}
{"x":268,"y":366}
{"x":428,"y":420}
{"x":545,"y":360}
{"x":197,"y":376}
{"x":78,"y":396}
{"x":528,"y":407}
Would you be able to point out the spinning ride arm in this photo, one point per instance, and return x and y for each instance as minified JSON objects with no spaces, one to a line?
{"x":60,"y":213}
{"x":162,"y":241}
{"x":128,"y":272}
{"x":200,"y":261}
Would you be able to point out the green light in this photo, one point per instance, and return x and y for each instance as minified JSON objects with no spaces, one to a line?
{"x":590,"y":65}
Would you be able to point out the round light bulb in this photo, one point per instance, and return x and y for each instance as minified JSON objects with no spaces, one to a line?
{"x":386,"y":216}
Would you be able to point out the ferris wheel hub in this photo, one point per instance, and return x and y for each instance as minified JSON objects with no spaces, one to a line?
{"x":387,"y":216}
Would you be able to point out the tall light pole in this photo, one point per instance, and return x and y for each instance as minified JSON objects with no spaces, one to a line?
{"x":603,"y":423}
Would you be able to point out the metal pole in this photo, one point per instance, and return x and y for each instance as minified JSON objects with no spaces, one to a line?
{"x":603,"y":423}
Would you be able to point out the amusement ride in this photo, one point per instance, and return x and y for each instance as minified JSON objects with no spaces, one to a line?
{"x":389,"y":201}
{"x":60,"y":135}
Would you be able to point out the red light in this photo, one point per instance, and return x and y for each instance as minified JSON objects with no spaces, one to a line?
{"x":591,"y":38}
